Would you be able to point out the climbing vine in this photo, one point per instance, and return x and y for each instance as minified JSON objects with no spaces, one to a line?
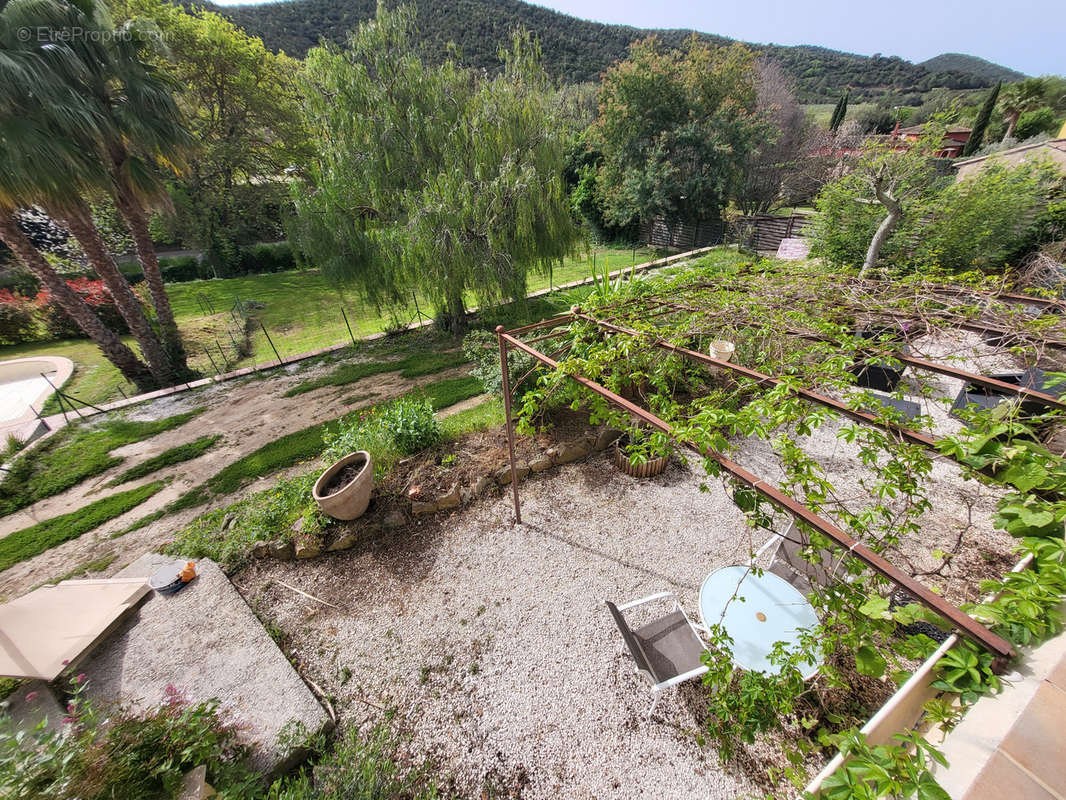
{"x":810,"y":330}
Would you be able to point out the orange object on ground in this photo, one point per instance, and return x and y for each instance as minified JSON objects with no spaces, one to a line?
{"x":188,"y":573}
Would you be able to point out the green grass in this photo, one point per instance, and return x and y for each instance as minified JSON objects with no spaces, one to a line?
{"x":449,"y":391}
{"x":302,"y":313}
{"x":413,"y":366}
{"x":175,"y":455}
{"x":74,"y":454}
{"x":481,"y":417}
{"x":32,"y":541}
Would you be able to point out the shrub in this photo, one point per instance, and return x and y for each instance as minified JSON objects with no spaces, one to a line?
{"x":95,"y":295}
{"x":986,"y":220}
{"x":181,"y":269}
{"x":410,"y":424}
{"x":482,"y":348}
{"x":121,"y":753}
{"x":260,"y":258}
{"x":19,"y":319}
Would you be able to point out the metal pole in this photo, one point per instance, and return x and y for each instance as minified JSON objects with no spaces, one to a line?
{"x":221,"y":353}
{"x":348,"y":325}
{"x":261,"y":325}
{"x":417,"y":309}
{"x":505,"y":374}
{"x":213,"y":364}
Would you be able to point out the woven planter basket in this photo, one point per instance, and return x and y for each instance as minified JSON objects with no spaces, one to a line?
{"x":649,"y":468}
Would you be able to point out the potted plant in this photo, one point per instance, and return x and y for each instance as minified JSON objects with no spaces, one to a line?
{"x":343,"y":490}
{"x":644,"y":468}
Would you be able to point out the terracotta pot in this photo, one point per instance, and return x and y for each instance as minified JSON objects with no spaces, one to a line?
{"x":722,"y":350}
{"x":353,"y":498}
{"x":649,"y":468}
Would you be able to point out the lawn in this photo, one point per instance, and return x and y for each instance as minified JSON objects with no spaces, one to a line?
{"x":301,"y":312}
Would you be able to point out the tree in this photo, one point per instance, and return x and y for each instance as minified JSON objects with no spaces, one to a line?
{"x":435,"y":179}
{"x":839,"y":112}
{"x":977,"y":135}
{"x":876,"y":194}
{"x":1017,"y":98}
{"x":242,"y":106}
{"x":50,"y":160}
{"x":43,"y":166}
{"x":777,"y":157}
{"x":675,"y":129}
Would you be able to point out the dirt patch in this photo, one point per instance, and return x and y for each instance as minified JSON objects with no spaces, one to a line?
{"x":249,"y":413}
{"x":343,"y":478}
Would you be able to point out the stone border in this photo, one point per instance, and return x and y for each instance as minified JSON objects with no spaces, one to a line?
{"x":302,"y":548}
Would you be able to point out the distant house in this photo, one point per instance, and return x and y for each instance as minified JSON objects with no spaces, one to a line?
{"x":1053,"y":150}
{"x":955,"y":138}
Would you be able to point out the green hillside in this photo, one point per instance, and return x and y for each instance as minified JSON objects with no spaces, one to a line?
{"x":576,"y":50}
{"x":971,"y":65}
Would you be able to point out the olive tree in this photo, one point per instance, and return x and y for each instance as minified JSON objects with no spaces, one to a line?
{"x":436,"y":179}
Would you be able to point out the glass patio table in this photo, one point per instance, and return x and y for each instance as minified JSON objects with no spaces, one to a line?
{"x":766,"y":609}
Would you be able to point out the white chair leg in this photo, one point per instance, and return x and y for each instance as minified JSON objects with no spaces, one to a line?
{"x":654,"y":701}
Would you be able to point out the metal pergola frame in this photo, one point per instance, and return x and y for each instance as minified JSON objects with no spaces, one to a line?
{"x":967,"y":625}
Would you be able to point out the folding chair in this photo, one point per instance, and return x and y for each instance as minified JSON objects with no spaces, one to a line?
{"x":667,"y":649}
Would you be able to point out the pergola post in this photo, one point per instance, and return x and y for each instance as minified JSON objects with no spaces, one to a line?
{"x":505,"y":374}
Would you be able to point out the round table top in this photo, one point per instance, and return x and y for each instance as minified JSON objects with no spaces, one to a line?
{"x":767,"y":609}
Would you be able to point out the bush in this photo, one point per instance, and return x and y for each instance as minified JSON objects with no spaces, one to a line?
{"x":121,"y":753}
{"x":1034,"y":123}
{"x":181,"y":269}
{"x":400,"y":428}
{"x":483,"y":349}
{"x":985,"y":221}
{"x":19,"y":319}
{"x":95,"y":295}
{"x":260,"y":258}
{"x":410,"y":424}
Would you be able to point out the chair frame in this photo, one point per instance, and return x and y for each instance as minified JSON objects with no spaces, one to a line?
{"x":658,"y":687}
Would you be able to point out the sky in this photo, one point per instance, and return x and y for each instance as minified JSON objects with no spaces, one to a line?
{"x":1026,"y":35}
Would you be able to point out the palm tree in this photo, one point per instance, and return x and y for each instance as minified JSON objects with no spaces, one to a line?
{"x":1017,"y":98}
{"x":144,"y":129}
{"x":48,"y":90}
{"x":47,"y":162}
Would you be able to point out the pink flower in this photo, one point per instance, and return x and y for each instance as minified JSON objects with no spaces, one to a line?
{"x":79,"y":677}
{"x":68,"y":720}
{"x":72,"y":708}
{"x":66,"y":661}
{"x":31,"y":697}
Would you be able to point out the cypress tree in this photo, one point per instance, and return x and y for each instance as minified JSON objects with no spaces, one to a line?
{"x":839,"y":112}
{"x":981,"y":123}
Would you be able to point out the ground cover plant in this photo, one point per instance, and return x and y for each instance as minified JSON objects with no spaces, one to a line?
{"x":168,"y":458}
{"x":28,"y":542}
{"x":864,"y":632}
{"x":412,"y":366}
{"x":110,"y":751}
{"x":75,"y":453}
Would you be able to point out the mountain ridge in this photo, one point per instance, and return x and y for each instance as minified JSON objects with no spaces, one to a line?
{"x":578,"y":51}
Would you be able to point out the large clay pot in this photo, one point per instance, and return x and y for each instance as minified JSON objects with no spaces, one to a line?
{"x":353,"y":498}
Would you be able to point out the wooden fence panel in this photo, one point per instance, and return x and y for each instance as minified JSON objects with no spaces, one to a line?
{"x":761,"y":232}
